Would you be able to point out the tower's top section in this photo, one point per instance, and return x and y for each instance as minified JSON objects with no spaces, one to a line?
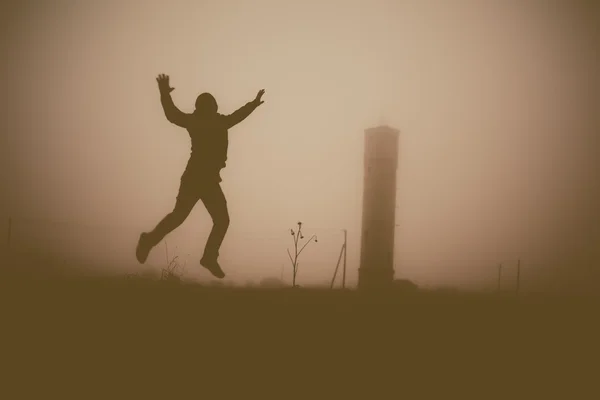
{"x":381,"y":144}
{"x":382,"y":130}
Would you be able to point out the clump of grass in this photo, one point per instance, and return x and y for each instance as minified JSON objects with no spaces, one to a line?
{"x":173,"y":272}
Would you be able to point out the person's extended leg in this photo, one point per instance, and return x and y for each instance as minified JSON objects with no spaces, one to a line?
{"x":214,"y":200}
{"x":186,"y":200}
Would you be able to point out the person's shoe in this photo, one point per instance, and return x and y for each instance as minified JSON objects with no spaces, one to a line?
{"x":213,"y":266}
{"x":143,"y":248}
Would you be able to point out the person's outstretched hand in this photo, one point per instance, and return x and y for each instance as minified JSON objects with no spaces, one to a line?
{"x":163,"y":84}
{"x":258,"y":100}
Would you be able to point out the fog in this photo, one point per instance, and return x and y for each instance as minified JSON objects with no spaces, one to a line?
{"x":496,"y":101}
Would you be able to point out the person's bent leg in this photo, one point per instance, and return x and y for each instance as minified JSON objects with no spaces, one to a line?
{"x":183,"y":206}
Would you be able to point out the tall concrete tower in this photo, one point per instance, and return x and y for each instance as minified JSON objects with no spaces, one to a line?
{"x":379,"y":208}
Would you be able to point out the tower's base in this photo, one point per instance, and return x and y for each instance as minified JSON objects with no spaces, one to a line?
{"x":375,"y":278}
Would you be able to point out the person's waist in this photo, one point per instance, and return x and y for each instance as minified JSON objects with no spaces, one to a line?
{"x":199,"y":161}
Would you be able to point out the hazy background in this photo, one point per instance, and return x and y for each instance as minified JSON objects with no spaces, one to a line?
{"x":497,"y":103}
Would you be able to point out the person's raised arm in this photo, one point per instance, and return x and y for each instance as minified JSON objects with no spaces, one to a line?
{"x":241,"y":113}
{"x":173,"y":114}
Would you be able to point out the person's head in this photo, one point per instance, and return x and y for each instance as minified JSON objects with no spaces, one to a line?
{"x":206,"y":104}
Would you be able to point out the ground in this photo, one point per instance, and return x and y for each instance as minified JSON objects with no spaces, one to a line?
{"x":69,"y":331}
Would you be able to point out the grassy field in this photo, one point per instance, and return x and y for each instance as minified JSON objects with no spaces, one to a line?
{"x":71,"y":329}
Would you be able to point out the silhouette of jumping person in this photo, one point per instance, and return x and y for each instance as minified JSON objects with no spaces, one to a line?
{"x":201,"y":179}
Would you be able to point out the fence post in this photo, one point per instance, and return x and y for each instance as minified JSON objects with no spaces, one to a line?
{"x":8,"y":236}
{"x":518,"y":276}
{"x":499,"y":276}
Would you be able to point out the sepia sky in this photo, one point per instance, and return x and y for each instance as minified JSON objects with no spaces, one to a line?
{"x":497,"y":103}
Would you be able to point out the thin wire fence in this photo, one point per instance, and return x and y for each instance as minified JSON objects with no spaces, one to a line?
{"x":246,"y":253}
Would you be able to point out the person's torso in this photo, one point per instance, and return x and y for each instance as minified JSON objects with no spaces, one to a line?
{"x":210,"y":141}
